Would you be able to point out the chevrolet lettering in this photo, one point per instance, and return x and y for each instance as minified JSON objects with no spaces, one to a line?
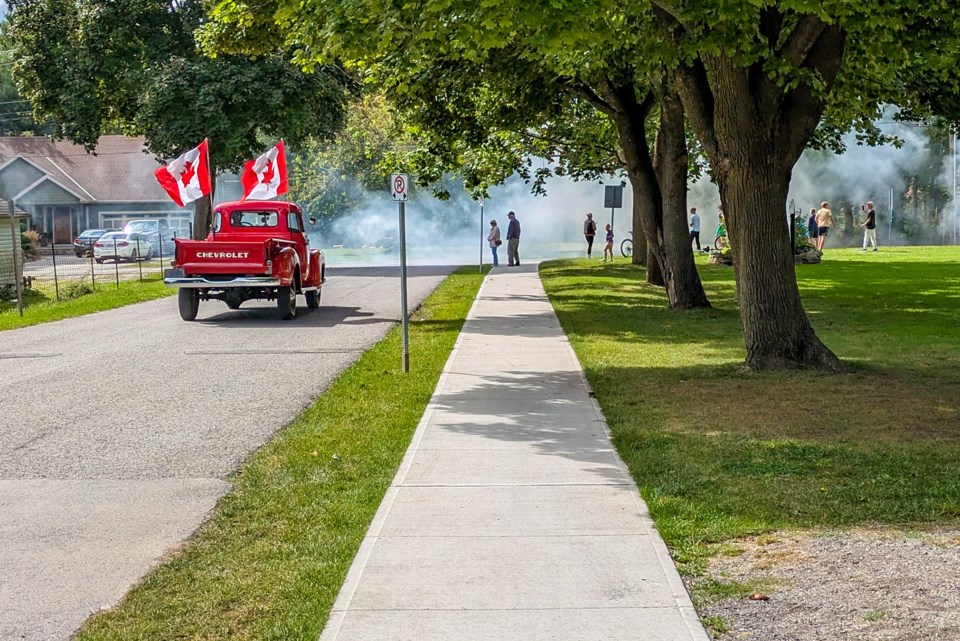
{"x":255,"y":250}
{"x":223,"y":254}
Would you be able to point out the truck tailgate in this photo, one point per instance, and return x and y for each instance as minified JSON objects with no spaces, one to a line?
{"x":216,"y":257}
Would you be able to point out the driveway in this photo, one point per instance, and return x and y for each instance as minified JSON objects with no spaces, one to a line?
{"x":120,"y":428}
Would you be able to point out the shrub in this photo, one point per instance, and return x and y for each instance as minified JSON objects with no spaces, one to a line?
{"x":30,"y":241}
{"x":76,"y":289}
{"x":801,"y":235}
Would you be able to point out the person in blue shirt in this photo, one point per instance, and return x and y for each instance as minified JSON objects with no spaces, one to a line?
{"x":695,"y":227}
{"x":513,"y":240}
{"x":812,"y":225}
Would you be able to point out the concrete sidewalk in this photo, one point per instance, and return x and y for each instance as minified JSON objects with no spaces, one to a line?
{"x":512,"y":517}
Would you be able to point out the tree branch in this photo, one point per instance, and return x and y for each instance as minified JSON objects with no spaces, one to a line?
{"x":579,"y":87}
{"x":668,"y":9}
{"x":771,"y":23}
{"x":801,"y":41}
{"x":694,"y":89}
{"x":802,"y":107}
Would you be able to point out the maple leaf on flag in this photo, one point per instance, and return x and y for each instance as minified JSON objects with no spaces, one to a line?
{"x":186,"y":178}
{"x":188,"y":173}
{"x":266,"y":176}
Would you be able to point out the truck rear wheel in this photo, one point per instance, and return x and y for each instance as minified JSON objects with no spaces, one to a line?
{"x":313,"y":298}
{"x":287,"y":302}
{"x":189,"y":303}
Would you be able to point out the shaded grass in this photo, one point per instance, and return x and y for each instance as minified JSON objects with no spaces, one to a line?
{"x":42,"y":306}
{"x":720,"y":453}
{"x":270,"y":561}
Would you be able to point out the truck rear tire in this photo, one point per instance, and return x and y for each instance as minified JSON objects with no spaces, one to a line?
{"x":287,"y":302}
{"x":313,"y":298}
{"x":189,"y":303}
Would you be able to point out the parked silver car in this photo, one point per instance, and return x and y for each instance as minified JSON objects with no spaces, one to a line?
{"x":118,"y":245}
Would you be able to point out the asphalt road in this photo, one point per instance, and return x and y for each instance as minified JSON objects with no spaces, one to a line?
{"x":118,"y":430}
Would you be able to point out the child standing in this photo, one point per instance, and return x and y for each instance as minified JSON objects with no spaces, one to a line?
{"x":608,"y":248}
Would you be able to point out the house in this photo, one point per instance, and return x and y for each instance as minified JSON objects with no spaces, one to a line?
{"x":67,"y":190}
{"x":10,"y":241}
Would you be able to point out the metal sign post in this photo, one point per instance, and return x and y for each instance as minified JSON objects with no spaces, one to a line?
{"x":890,"y":224}
{"x":15,"y":239}
{"x":483,"y":237}
{"x":613,"y":198}
{"x":793,"y":227}
{"x":398,"y":190}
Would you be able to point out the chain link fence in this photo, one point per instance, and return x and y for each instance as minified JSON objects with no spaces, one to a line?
{"x":57,"y":273}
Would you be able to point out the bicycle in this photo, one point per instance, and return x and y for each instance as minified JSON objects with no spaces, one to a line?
{"x":721,"y":241}
{"x":626,"y":247}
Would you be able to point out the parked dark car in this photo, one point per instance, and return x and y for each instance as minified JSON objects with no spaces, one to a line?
{"x":83,"y":244}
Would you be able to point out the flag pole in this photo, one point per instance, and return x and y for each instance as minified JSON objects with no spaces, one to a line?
{"x":213,"y":186}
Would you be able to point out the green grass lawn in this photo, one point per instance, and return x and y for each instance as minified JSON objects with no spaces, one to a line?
{"x":270,"y":561}
{"x":41,"y":304}
{"x":720,"y":452}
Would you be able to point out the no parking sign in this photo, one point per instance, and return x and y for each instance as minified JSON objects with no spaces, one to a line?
{"x":398,"y":187}
{"x":398,"y":191}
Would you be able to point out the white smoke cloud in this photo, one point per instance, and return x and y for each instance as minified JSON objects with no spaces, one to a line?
{"x":451,"y":232}
{"x":860,"y":174}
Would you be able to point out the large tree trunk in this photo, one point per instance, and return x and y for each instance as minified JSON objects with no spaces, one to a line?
{"x":639,"y":238}
{"x":667,"y":263}
{"x":202,"y":214}
{"x":643,"y":253}
{"x":776,"y":330}
{"x":753,"y":130}
{"x":672,"y":167}
{"x":203,"y":209}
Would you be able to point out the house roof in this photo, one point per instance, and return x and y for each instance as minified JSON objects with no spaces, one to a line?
{"x":121,"y":170}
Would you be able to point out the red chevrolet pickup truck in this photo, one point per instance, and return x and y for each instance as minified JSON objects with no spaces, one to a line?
{"x":255,"y":249}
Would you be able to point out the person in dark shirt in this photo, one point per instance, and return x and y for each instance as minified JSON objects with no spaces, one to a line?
{"x":608,"y":246}
{"x":589,"y":232}
{"x":812,"y":225}
{"x":870,"y":227}
{"x":513,"y":240}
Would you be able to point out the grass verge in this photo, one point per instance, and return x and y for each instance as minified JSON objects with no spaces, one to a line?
{"x":270,"y":561}
{"x":42,"y":306}
{"x":720,"y":453}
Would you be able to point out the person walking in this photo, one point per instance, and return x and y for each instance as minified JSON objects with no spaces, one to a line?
{"x":824,"y":224}
{"x":812,"y":226}
{"x":870,"y":227}
{"x":493,"y":238}
{"x":608,"y":247}
{"x":589,"y":232}
{"x":513,"y":240}
{"x":695,"y":227}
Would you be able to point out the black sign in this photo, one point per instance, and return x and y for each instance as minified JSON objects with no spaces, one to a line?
{"x":613,"y":197}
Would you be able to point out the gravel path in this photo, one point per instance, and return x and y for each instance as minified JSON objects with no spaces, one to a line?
{"x":119,"y":430}
{"x":863,"y":585}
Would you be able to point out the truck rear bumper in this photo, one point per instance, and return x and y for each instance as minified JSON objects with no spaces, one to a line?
{"x":199,"y":282}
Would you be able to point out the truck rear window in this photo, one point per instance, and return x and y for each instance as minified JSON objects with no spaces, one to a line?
{"x":253,"y":219}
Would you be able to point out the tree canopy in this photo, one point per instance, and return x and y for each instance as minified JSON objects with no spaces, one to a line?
{"x":755,"y":79}
{"x":93,"y":65}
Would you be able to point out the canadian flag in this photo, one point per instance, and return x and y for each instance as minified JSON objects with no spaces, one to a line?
{"x":188,"y":177}
{"x":265,"y":177}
